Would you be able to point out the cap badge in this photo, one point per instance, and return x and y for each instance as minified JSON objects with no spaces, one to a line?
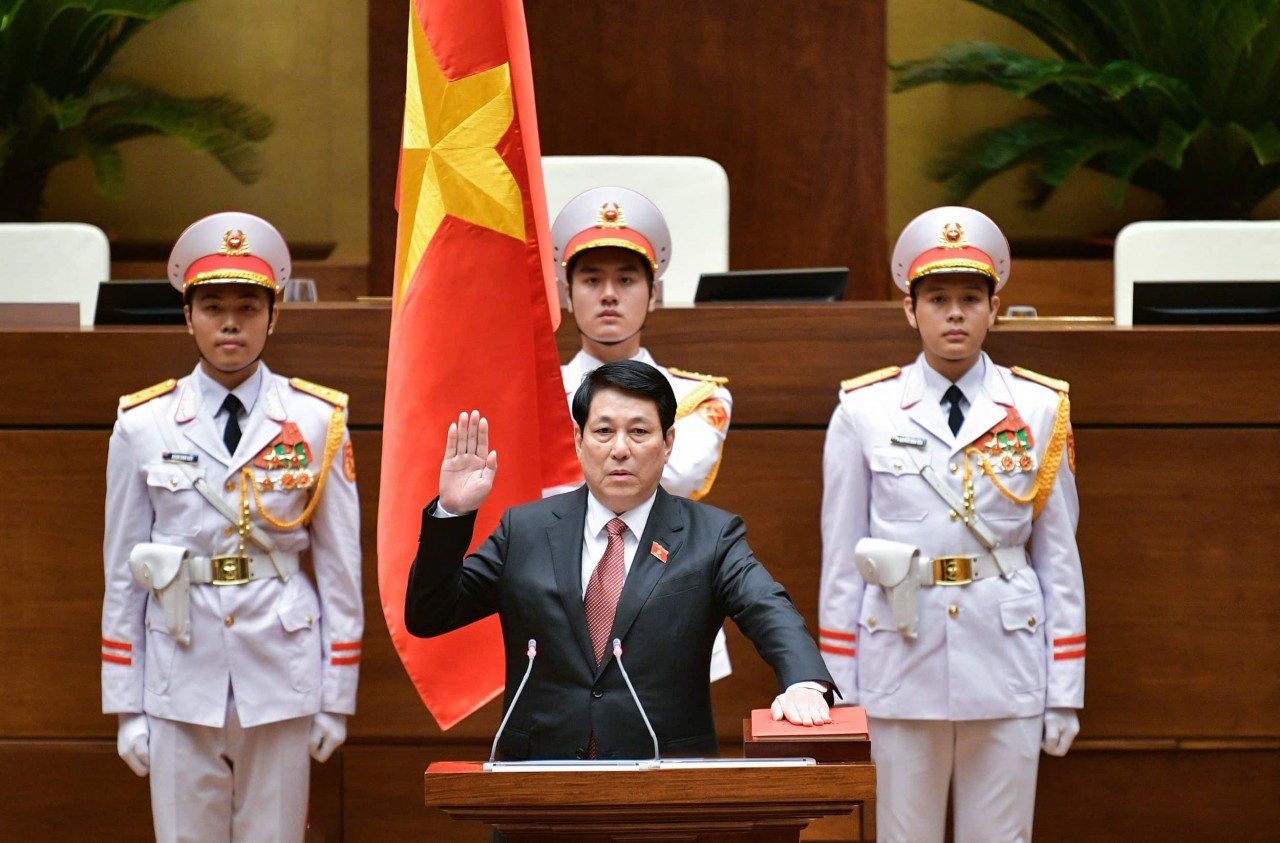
{"x":234,"y":244}
{"x":611,"y":216}
{"x":953,"y":237}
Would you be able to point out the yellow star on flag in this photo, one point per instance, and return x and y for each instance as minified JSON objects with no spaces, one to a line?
{"x":449,"y":163}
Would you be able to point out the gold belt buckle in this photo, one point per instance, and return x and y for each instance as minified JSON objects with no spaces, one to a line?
{"x":953,"y":570}
{"x":230,"y":570}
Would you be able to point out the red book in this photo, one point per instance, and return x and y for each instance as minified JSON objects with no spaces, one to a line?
{"x":849,"y":723}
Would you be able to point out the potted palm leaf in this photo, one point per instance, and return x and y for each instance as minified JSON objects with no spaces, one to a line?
{"x":56,"y":105}
{"x":1178,"y":97}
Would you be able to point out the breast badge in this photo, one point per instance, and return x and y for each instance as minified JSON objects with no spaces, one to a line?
{"x":286,"y":462}
{"x":1009,"y":446}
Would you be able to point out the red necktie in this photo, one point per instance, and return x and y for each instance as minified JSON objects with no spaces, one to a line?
{"x":604,"y":588}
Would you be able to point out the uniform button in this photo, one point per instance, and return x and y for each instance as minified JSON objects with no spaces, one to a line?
{"x":596,"y":693}
{"x":871,"y":622}
{"x":897,"y":466}
{"x":310,"y":620}
{"x":229,"y":620}
{"x":230,"y":486}
{"x":173,"y":481}
{"x":1031,"y":621}
{"x":228,"y":530}
{"x":954,"y":468}
{"x":953,"y":610}
{"x":955,"y":516}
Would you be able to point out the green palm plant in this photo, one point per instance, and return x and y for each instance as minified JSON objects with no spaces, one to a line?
{"x":56,"y":106}
{"x":1179,"y":97}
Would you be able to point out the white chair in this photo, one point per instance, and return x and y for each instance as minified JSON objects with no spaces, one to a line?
{"x":53,"y":262}
{"x":1201,"y":253}
{"x":691,"y":192}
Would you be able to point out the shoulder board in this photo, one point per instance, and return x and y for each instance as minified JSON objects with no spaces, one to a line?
{"x":324,"y":393}
{"x":870,"y":377}
{"x":142,"y":396}
{"x":1043,"y":380}
{"x":697,"y":376}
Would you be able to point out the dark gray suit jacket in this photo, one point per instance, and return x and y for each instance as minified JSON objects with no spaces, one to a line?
{"x":529,"y":571}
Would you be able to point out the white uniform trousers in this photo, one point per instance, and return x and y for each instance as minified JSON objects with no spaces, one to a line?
{"x":230,"y":785}
{"x":991,"y":764}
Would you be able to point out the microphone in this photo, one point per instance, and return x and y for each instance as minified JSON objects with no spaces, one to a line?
{"x":531,"y":652}
{"x":617,"y":656}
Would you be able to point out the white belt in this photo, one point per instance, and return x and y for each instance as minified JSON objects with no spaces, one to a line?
{"x":238,"y":570}
{"x":963,"y":570}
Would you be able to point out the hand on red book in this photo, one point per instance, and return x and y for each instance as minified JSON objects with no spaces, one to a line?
{"x":801,"y":706}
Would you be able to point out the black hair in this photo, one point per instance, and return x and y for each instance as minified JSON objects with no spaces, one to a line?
{"x":633,"y":378}
{"x":573,"y":261}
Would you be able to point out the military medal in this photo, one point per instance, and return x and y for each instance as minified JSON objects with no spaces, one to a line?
{"x":290,"y":454}
{"x":1009,"y":446}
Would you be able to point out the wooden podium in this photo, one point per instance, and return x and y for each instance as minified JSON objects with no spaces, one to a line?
{"x":699,"y":805}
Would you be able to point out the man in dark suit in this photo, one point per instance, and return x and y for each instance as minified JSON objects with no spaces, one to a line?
{"x":669,"y":572}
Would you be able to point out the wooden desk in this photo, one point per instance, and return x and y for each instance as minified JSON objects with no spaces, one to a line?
{"x":752,"y":805}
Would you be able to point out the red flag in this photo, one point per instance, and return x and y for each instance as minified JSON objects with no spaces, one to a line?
{"x":474,"y":314}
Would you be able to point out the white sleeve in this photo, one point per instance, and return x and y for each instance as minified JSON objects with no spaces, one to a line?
{"x":845,"y":519}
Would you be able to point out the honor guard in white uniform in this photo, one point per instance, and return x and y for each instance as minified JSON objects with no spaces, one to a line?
{"x":611,"y":247}
{"x":225,"y":661}
{"x":952,"y":600}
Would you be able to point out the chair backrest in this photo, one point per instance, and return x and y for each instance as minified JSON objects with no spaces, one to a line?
{"x":691,"y":192}
{"x":1207,"y":260}
{"x":53,"y":262}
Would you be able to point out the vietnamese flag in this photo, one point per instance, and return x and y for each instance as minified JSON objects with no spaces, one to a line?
{"x":473,"y":318}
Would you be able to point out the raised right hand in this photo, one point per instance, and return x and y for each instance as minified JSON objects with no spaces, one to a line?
{"x":468,"y":469}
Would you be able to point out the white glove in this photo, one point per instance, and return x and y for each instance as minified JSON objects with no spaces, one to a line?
{"x":1061,"y":725}
{"x":328,"y":731}
{"x":133,"y":742}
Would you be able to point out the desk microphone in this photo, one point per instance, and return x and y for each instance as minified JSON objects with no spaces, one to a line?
{"x":617,"y":656}
{"x":531,"y":652}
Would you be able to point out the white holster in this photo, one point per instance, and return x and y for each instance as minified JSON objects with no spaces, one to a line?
{"x":163,"y":569}
{"x":895,"y":567}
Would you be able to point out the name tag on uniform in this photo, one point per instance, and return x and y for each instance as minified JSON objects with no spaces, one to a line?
{"x":908,"y":441}
{"x":184,"y":458}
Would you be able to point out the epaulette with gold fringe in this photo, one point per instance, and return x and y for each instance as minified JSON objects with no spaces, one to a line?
{"x":697,"y":376}
{"x":1044,"y":380}
{"x":870,"y":377}
{"x":142,"y":396}
{"x":324,"y":393}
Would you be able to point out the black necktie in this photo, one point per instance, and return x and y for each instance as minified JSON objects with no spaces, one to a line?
{"x":231,"y":433}
{"x":955,"y":418}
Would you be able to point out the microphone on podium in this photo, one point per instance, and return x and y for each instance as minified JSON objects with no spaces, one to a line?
{"x":617,"y":656}
{"x":531,"y":652}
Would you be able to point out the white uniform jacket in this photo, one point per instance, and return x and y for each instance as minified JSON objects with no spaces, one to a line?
{"x":702,"y":421}
{"x":284,"y":650}
{"x":992,"y":649}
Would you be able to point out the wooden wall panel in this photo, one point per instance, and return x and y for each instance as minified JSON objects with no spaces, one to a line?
{"x":785,"y":363}
{"x":383,"y":799}
{"x":788,"y":97}
{"x":74,"y":790}
{"x":1133,"y":797}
